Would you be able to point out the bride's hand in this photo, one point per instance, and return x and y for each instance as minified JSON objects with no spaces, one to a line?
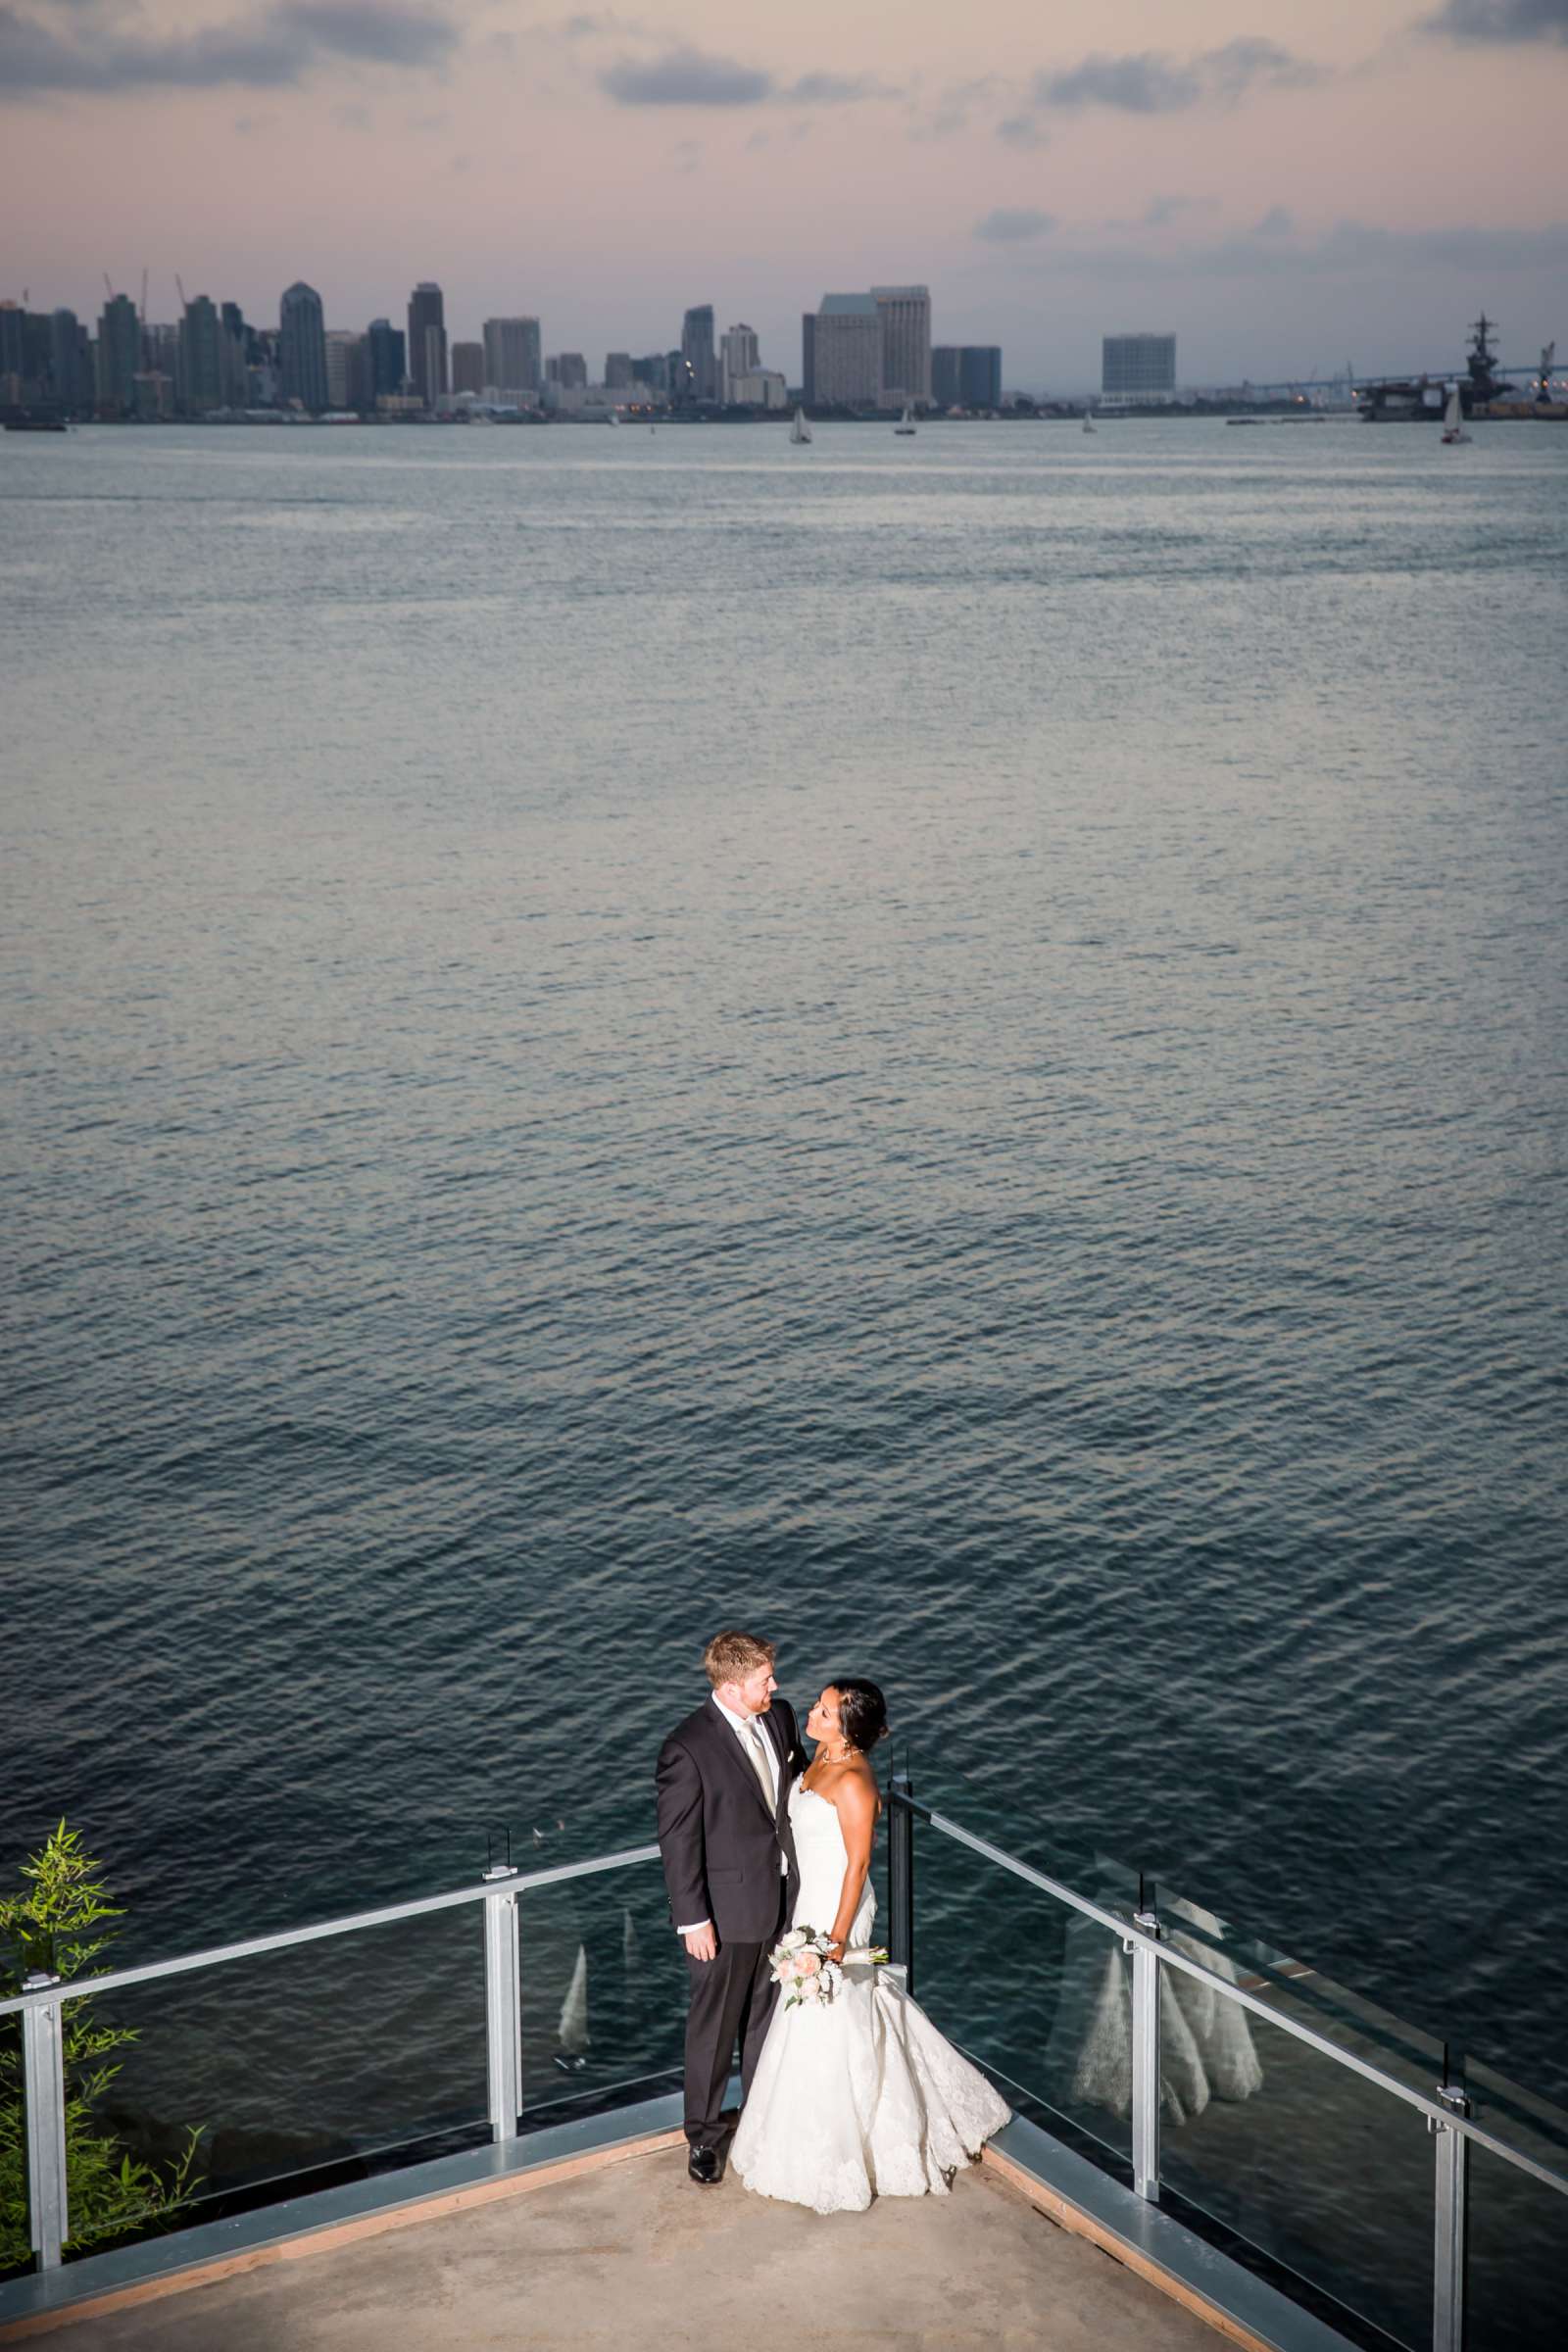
{"x":835,"y":1950}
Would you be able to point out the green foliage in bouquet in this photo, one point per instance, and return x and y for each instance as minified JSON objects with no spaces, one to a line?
{"x":63,"y":1922}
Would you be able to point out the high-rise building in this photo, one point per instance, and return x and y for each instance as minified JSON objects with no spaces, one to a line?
{"x":738,"y":356}
{"x":652,"y":369}
{"x":843,"y":353}
{"x":904,"y":312}
{"x":697,"y":350}
{"x":1138,"y":369}
{"x":571,"y":371}
{"x":467,"y":368}
{"x":160,"y":351}
{"x":68,"y":379}
{"x":233,"y":353}
{"x":944,"y":358}
{"x":342,"y":366}
{"x":511,"y":355}
{"x":302,"y":349}
{"x":201,"y":360}
{"x":618,"y":371}
{"x":13,"y":349}
{"x":428,"y":342}
{"x":979,"y":375}
{"x":388,"y":358}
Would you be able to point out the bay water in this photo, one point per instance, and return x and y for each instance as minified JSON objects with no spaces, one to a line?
{"x":950,"y":1049}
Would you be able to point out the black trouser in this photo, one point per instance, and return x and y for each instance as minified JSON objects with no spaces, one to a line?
{"x":732,"y":1999}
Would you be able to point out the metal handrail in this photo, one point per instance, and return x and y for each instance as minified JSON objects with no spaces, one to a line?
{"x":1438,"y":2111}
{"x":517,"y":1883}
{"x":1143,"y":1936}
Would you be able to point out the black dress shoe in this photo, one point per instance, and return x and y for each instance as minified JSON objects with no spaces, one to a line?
{"x":703,"y":2166}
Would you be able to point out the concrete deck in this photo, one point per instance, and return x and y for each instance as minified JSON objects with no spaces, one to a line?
{"x":632,"y":2254}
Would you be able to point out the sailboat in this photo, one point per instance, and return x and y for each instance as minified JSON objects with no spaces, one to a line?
{"x":800,"y":430}
{"x":1090,"y":425}
{"x":906,"y":423}
{"x":1453,"y":418}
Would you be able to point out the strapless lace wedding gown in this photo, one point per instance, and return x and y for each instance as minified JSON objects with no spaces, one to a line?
{"x":865,"y":2097}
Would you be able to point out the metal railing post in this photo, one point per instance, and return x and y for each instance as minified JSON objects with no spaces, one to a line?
{"x":43,"y":2073}
{"x":901,"y":1875}
{"x":1450,"y":2212}
{"x":503,"y":2002}
{"x":1146,"y":2051}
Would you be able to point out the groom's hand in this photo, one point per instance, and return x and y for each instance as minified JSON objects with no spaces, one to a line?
{"x":702,"y":1944}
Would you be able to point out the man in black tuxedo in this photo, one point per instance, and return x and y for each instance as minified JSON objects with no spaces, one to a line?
{"x":723,"y":1781}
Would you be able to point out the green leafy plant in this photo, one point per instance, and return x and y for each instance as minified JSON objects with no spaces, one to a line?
{"x":63,"y":1922}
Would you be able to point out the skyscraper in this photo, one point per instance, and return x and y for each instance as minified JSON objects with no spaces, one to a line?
{"x":980,"y":376}
{"x":843,"y":353}
{"x":388,"y":358}
{"x":342,"y":366}
{"x":233,"y":355}
{"x":1136,"y":368}
{"x":904,"y":312}
{"x":302,"y":349}
{"x":696,"y":349}
{"x":618,"y":371}
{"x":201,"y":359}
{"x":467,"y":368}
{"x":67,"y":377}
{"x":512,"y":361}
{"x":428,"y":342}
{"x":738,"y":356}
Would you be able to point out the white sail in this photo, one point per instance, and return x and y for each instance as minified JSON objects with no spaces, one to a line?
{"x":800,"y":430}
{"x":906,"y":423}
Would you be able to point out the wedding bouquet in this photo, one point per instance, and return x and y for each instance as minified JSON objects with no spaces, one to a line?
{"x":802,"y":1965}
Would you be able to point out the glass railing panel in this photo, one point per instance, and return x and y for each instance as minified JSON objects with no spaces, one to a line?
{"x":1526,"y":2121}
{"x":1035,"y":1992}
{"x":1321,"y":2171}
{"x":604,"y":1993}
{"x":1518,"y":2268}
{"x":1296,"y":1990}
{"x":325,"y":2060}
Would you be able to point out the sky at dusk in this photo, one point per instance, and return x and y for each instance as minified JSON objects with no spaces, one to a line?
{"x":1286,"y":186}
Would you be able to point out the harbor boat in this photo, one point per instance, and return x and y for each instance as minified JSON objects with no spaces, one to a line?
{"x":800,"y":430}
{"x":1453,"y":418}
{"x":1090,"y":425}
{"x":906,"y":423}
{"x":36,"y":425}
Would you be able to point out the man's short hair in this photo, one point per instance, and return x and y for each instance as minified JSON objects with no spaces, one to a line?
{"x":730,"y":1657}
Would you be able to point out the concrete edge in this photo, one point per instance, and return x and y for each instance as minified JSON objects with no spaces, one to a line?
{"x":1069,"y":2190}
{"x":1063,"y":2188}
{"x":319,"y":2224}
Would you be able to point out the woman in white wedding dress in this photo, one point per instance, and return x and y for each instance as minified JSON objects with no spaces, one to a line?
{"x":862,"y":2096}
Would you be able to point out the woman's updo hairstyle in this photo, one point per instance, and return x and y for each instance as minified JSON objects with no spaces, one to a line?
{"x":862,"y":1711}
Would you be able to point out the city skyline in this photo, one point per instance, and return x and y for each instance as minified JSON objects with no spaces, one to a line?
{"x":1292,"y":191}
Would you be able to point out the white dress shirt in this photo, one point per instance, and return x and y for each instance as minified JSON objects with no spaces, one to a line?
{"x":747,"y":1729}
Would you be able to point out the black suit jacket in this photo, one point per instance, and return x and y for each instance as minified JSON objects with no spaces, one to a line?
{"x":721,"y":1845}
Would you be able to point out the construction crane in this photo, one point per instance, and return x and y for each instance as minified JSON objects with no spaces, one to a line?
{"x":181,"y":291}
{"x":108,"y":288}
{"x":143,"y":312}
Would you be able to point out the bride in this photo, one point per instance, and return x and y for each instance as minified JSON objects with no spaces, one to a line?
{"x":861,"y":2097}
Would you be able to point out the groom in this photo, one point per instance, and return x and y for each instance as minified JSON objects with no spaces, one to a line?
{"x":723,"y":1781}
